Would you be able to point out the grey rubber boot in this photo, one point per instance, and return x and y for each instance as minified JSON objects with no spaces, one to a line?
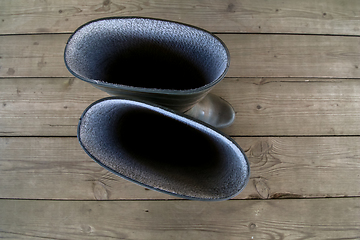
{"x":167,"y":63}
{"x":163,"y":150}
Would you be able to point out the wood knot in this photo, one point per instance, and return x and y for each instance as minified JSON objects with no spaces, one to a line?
{"x":262,"y":187}
{"x":10,"y":71}
{"x":86,"y":229}
{"x":100,"y":191}
{"x":260,"y":148}
{"x":231,"y":8}
{"x":261,"y":154}
{"x":252,"y":226}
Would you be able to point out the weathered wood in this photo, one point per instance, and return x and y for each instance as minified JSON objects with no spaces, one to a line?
{"x":251,"y":56}
{"x":43,"y":107}
{"x":251,"y":16}
{"x":309,"y":92}
{"x":264,"y":106}
{"x":285,"y":167}
{"x":273,"y":219}
{"x":293,"y":106}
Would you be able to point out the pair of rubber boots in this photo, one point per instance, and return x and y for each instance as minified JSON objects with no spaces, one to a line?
{"x":158,"y":70}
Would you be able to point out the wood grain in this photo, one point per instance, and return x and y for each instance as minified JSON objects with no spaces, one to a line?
{"x":46,"y":106}
{"x":264,"y":106}
{"x":293,"y":106}
{"x":252,"y":55}
{"x":294,"y":84}
{"x":285,"y":167}
{"x":249,"y":16}
{"x":273,"y":219}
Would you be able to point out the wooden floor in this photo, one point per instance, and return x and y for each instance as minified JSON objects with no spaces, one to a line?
{"x":294,"y":82}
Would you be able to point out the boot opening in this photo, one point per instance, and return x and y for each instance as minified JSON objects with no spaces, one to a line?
{"x":163,"y":151}
{"x":146,"y":53}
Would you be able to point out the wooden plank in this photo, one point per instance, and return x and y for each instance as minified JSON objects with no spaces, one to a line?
{"x":264,"y":106}
{"x":33,"y":55}
{"x":274,"y":219}
{"x":251,"y":16}
{"x":281,"y":167}
{"x":293,"y":106}
{"x":293,"y":56}
{"x":47,"y":106}
{"x":251,"y":56}
{"x":284,"y":167}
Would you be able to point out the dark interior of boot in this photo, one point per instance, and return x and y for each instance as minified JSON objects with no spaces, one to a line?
{"x":146,"y":53}
{"x":149,"y":65}
{"x":160,"y":151}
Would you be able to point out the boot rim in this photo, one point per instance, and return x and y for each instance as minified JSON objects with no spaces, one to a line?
{"x":204,"y":88}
